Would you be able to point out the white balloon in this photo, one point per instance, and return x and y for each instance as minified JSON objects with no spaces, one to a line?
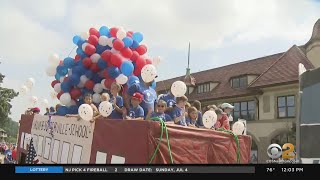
{"x":54,"y":59}
{"x":53,"y":95}
{"x":83,"y":79}
{"x":105,"y":108}
{"x":95,"y":57}
{"x":69,"y":72}
{"x":30,"y":83}
{"x":178,"y":88}
{"x":148,"y":73}
{"x":156,"y":61}
{"x":238,"y":128}
{"x":121,"y":79}
{"x":96,"y":98}
{"x":98,"y":88}
{"x":85,"y":112}
{"x":103,"y":85}
{"x":103,"y":40}
{"x":33,"y":100}
{"x":23,"y":90}
{"x":110,"y":41}
{"x":45,"y":103}
{"x":84,"y":35}
{"x":65,"y":98}
{"x":51,"y":71}
{"x":62,"y":79}
{"x":114,"y":51}
{"x":71,"y":103}
{"x":57,"y":87}
{"x":209,"y":118}
{"x":121,"y":34}
{"x":84,"y":45}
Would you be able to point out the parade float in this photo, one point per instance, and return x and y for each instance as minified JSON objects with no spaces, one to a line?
{"x":102,"y":57}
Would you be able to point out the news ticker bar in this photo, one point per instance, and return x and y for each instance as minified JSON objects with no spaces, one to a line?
{"x":134,"y":169}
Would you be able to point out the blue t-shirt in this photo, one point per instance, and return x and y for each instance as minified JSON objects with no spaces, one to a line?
{"x":199,"y":120}
{"x":169,"y":99}
{"x":136,"y":112}
{"x":177,"y":112}
{"x":165,"y":117}
{"x":115,"y":114}
{"x":149,"y":96}
{"x":189,"y":121}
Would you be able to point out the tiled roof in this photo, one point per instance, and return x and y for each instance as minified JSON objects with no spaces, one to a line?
{"x":272,"y":70}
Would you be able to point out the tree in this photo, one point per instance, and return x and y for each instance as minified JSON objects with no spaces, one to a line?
{"x":6,"y":95}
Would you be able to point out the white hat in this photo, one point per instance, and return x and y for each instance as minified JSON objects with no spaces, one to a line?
{"x":226,"y":105}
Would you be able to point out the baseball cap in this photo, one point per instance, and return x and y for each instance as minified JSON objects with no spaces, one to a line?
{"x":36,"y":109}
{"x":137,"y":96}
{"x":226,"y":105}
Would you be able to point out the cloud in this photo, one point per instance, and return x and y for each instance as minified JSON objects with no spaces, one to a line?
{"x":25,"y":41}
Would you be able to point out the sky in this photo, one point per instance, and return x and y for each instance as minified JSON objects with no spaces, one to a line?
{"x":221,"y":32}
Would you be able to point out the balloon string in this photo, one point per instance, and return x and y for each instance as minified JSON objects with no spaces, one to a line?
{"x":71,"y":51}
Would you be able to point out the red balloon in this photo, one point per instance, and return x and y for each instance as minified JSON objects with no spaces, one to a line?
{"x":113,"y":32}
{"x":141,"y":49}
{"x":90,"y":49}
{"x":89,"y":84}
{"x":93,"y":40}
{"x":137,"y":72}
{"x":108,"y":82}
{"x":93,"y":31}
{"x":118,"y":45}
{"x":134,"y":56}
{"x":59,"y":94}
{"x":105,"y":74}
{"x":116,"y":60}
{"x":140,"y":62}
{"x":148,"y":61}
{"x":77,"y":57}
{"x":54,"y":83}
{"x":126,"y":52}
{"x":75,"y":93}
{"x":106,"y":55}
{"x":87,"y":62}
{"x":94,"y":68}
{"x":129,"y":33}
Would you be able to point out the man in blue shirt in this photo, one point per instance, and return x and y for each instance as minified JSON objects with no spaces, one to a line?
{"x":149,"y":95}
{"x":136,"y":111}
{"x":178,"y":111}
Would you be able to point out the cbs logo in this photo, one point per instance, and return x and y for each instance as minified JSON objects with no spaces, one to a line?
{"x":275,"y":151}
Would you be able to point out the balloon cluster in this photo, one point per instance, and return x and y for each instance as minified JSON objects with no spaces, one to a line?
{"x":102,"y":57}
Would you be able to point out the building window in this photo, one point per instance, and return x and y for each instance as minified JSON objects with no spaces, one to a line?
{"x":244,"y":110}
{"x":286,"y":107}
{"x":240,"y":82}
{"x":203,"y":88}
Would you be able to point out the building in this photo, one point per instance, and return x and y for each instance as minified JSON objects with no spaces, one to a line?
{"x":264,"y":91}
{"x":3,"y":135}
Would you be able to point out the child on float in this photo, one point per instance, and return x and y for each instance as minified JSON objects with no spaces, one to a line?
{"x":160,"y":112}
{"x":136,"y":112}
{"x":192,"y":117}
{"x":116,"y":100}
{"x":197,"y":105}
{"x":178,"y":111}
{"x":222,"y":120}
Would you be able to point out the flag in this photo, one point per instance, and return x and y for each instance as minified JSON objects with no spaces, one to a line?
{"x":32,"y":154}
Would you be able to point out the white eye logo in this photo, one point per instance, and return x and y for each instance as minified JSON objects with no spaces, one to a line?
{"x":274,"y":151}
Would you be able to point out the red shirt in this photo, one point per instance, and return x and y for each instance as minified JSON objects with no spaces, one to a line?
{"x":223,"y":122}
{"x":14,"y":154}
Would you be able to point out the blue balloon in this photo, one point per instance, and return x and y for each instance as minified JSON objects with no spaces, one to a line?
{"x":89,"y":74}
{"x":62,"y":110}
{"x":113,"y":72}
{"x":62,"y":70}
{"x":65,"y":86}
{"x":80,"y":42}
{"x":76,"y":39}
{"x":135,"y":44}
{"x":154,"y":85}
{"x":96,"y":78}
{"x":74,"y":79}
{"x":100,"y":49}
{"x":57,"y":76}
{"x":132,"y":80}
{"x":127,"y":41}
{"x":140,"y":78}
{"x":137,"y":36}
{"x":69,"y":62}
{"x":134,"y":65}
{"x":80,"y":52}
{"x":127,"y":68}
{"x":73,"y":109}
{"x":104,"y":31}
{"x":102,"y":64}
